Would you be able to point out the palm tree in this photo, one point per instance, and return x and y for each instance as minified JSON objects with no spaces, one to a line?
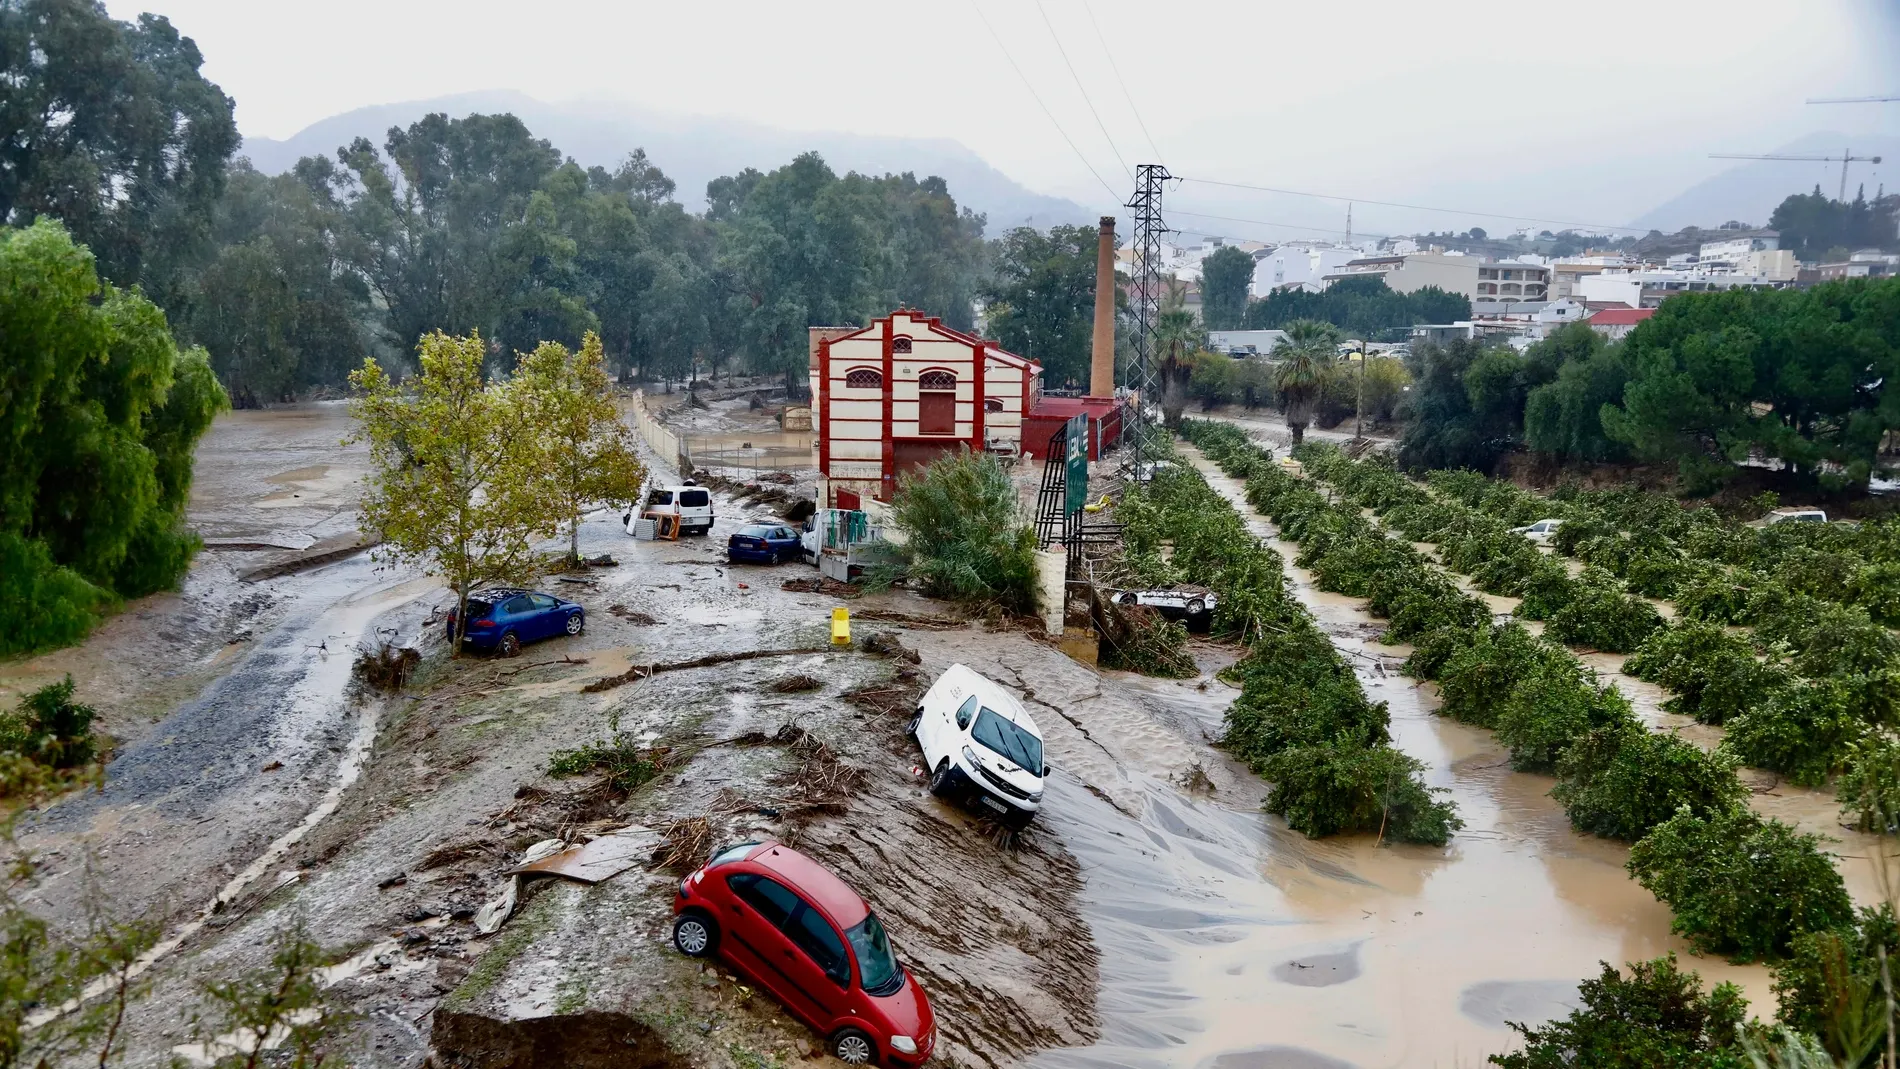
{"x":1301,"y":371}
{"x":1177,"y":337}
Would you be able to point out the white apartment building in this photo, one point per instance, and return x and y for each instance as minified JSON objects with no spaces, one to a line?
{"x":1649,"y":288}
{"x":1755,"y":254}
{"x":1450,"y":272}
{"x":1301,"y":265}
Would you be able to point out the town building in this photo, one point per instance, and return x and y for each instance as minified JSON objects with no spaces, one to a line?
{"x":1299,"y":266}
{"x":1614,"y":323}
{"x":904,"y":390}
{"x":1755,"y":253}
{"x":1565,"y":273}
{"x":1504,"y":283}
{"x":1403,"y":274}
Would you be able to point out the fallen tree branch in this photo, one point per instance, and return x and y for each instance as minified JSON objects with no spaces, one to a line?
{"x":644,"y":671}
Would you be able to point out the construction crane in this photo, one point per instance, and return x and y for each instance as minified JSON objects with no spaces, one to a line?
{"x":1843,"y":159}
{"x":1853,"y":100}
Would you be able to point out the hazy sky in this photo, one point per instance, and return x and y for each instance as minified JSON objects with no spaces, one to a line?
{"x":1589,"y":111}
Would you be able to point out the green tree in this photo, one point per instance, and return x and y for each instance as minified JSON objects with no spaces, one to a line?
{"x":454,"y":475}
{"x":966,"y":537}
{"x":1364,"y":306}
{"x":1793,"y":374}
{"x":1812,"y":224}
{"x":1177,"y":338}
{"x":99,"y":416}
{"x":1740,"y":885}
{"x":1657,"y":1016}
{"x":586,"y":453}
{"x":1226,"y":275}
{"x":1040,"y":300}
{"x":110,"y":128}
{"x":1300,"y":371}
{"x":1562,"y":416}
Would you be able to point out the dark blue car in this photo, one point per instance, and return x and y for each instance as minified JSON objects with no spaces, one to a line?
{"x":506,"y":619}
{"x":764,"y":543}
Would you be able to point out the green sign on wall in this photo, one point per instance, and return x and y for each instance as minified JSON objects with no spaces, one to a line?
{"x":1075,"y":478}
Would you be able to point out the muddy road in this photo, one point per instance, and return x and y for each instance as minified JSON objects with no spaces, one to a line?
{"x":1153,"y":916}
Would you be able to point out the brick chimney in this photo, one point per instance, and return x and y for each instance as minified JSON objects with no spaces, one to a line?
{"x":1102,"y":355}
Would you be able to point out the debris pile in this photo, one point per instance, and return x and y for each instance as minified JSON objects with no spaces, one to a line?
{"x":386,"y":666}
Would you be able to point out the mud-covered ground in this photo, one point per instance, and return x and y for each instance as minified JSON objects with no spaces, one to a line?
{"x":1152,"y":916}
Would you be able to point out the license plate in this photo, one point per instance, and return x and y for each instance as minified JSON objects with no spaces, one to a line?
{"x":994,"y":804}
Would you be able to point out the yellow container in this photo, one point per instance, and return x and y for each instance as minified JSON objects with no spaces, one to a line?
{"x":841,"y":626}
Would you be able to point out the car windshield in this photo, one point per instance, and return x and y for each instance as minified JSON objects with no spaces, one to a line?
{"x":662,"y":497}
{"x":999,"y":734}
{"x":877,"y":966}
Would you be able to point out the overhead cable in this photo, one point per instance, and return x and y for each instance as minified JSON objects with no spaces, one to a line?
{"x":1418,"y":207}
{"x":1080,"y":88}
{"x":1113,"y":196}
{"x":1264,"y":222}
{"x":1126,"y":95}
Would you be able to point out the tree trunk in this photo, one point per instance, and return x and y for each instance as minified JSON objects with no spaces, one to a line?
{"x":1299,"y":432}
{"x":574,"y":539}
{"x":461,"y":620}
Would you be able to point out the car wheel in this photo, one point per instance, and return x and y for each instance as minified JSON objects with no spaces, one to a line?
{"x":695,"y":935}
{"x":916,"y":721}
{"x":940,"y":779}
{"x":1124,"y":599}
{"x":576,"y":624}
{"x":853,"y":1047}
{"x":509,"y":645}
{"x":1196,"y":607}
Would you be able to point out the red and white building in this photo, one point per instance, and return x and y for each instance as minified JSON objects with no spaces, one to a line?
{"x":897,"y":394}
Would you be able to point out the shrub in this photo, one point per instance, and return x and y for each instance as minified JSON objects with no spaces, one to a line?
{"x":1802,"y":730}
{"x":50,"y":729}
{"x":1711,"y":592}
{"x":1655,"y":575}
{"x":1600,"y":616}
{"x":1418,"y":601}
{"x":966,"y":539}
{"x":1557,"y":702}
{"x":1621,"y":781}
{"x":1876,"y":588}
{"x":1343,"y":786}
{"x":1869,"y":787}
{"x":1828,"y":985}
{"x":1657,"y":1016}
{"x":1431,"y":652}
{"x":1477,"y":680}
{"x":1546,"y":590}
{"x":1740,"y":885}
{"x":1715,"y":676}
{"x":42,"y":604}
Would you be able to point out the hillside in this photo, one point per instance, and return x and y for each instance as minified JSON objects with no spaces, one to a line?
{"x":1750,"y":190}
{"x":692,"y":150}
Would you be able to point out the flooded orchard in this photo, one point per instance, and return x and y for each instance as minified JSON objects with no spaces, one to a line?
{"x":1152,"y":916}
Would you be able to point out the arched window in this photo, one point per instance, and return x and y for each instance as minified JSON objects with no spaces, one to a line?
{"x":900,"y":345}
{"x":937,"y":402}
{"x":992,"y":404}
{"x":864,"y":378}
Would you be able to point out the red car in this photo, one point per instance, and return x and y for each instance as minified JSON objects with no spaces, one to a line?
{"x":796,"y":930}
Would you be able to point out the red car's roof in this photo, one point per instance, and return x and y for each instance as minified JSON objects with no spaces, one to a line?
{"x":817,"y":883}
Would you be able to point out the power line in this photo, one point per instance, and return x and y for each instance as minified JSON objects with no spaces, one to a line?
{"x":1418,"y":207}
{"x":1001,"y":47}
{"x":1854,"y":100}
{"x":1263,"y":222}
{"x":1126,"y":95}
{"x":1077,"y":79}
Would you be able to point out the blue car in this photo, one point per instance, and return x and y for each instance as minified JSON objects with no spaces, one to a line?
{"x":505,"y":619}
{"x":764,"y":543}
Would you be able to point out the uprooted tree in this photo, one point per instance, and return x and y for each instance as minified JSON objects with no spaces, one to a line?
{"x":586,"y":452}
{"x":453,"y":477}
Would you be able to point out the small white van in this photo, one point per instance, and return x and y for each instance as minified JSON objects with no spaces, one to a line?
{"x":981,"y":747}
{"x":689,"y":501}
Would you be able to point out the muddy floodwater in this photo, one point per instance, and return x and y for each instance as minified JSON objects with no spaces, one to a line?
{"x":252,"y":787}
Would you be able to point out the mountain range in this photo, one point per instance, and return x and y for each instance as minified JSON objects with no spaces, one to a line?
{"x":1749,"y":191}
{"x":692,"y":150}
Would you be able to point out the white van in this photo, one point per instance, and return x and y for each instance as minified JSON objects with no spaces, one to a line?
{"x":691,"y":502}
{"x":981,"y":746}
